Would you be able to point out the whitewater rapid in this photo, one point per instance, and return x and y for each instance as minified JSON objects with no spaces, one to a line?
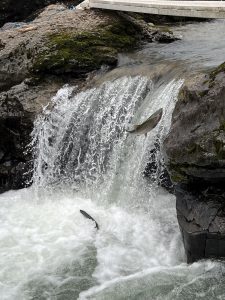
{"x":85,"y":159}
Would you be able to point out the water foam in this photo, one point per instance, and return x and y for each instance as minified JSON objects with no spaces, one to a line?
{"x":48,"y":250}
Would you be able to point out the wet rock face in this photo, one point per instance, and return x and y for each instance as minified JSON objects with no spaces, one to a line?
{"x":201,"y":216}
{"x":155,"y":169}
{"x":15,"y":128}
{"x":195,"y":149}
{"x":18,"y":109}
{"x":196,"y":144}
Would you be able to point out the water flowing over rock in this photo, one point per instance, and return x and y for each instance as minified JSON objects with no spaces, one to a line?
{"x":83,"y":140}
{"x":195,"y":148}
{"x":59,"y":46}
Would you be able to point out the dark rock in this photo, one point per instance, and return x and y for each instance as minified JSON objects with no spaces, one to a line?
{"x":11,"y":10}
{"x":18,"y":109}
{"x":195,"y":156}
{"x":2,"y":45}
{"x":165,"y":37}
{"x":195,"y":146}
{"x":156,"y":170}
{"x":202,"y":222}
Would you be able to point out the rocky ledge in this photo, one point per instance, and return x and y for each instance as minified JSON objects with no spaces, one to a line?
{"x":195,"y":150}
{"x":59,"y":46}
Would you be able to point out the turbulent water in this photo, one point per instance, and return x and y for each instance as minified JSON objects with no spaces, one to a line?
{"x":86,"y":159}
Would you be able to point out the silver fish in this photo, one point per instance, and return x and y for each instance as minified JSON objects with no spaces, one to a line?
{"x":86,"y":215}
{"x":149,"y":124}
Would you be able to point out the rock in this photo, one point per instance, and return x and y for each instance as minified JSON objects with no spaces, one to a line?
{"x":2,"y":45}
{"x":195,"y":157}
{"x":18,"y":108}
{"x":64,"y":42}
{"x":155,"y":169}
{"x":195,"y":145}
{"x":202,"y":223}
{"x":18,"y":10}
{"x":165,"y":37}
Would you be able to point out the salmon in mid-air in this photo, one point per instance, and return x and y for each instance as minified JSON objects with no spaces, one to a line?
{"x":149,"y":124}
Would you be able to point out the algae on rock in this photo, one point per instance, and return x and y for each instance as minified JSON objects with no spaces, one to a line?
{"x":86,"y":51}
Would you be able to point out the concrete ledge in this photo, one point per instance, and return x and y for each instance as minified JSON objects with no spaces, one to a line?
{"x":197,"y":9}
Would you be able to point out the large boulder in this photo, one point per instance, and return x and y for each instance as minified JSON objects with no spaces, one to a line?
{"x":195,"y":155}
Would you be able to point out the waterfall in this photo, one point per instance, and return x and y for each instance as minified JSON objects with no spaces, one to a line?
{"x":81,"y":141}
{"x":85,"y":159}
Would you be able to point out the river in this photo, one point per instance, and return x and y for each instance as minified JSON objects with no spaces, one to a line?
{"x":85,"y":159}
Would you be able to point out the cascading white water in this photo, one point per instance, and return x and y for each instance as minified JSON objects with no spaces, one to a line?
{"x":82,"y":141}
{"x":75,"y":142}
{"x":85,"y":159}
{"x":48,"y":250}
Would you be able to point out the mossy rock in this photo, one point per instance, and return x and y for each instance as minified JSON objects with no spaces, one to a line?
{"x":86,"y":51}
{"x":215,"y":72}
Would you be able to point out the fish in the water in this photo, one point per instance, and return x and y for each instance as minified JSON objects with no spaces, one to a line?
{"x":149,"y":124}
{"x":86,"y":215}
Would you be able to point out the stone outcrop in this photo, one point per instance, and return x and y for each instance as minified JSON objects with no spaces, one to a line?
{"x":18,"y":108}
{"x":195,"y":150}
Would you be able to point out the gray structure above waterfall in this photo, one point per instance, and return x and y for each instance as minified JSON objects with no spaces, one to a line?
{"x":195,"y":9}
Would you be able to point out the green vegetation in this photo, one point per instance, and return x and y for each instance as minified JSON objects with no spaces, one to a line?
{"x":82,"y":52}
{"x":215,"y":72}
{"x":177,"y":174}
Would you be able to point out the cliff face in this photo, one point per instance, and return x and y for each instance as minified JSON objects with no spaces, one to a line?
{"x":195,"y":149}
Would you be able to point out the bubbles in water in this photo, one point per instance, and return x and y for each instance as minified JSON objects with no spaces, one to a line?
{"x":75,"y":141}
{"x":48,"y":250}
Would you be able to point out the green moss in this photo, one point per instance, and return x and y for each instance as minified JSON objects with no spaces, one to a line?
{"x":177,"y":173}
{"x":183,"y":95}
{"x":203,"y":93}
{"x":215,"y":72}
{"x":83,"y":52}
{"x":178,"y":178}
{"x":192,"y":148}
{"x":222,"y":125}
{"x":220,"y":150}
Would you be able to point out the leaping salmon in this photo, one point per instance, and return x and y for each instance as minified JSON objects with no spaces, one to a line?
{"x":86,"y":215}
{"x":149,"y":124}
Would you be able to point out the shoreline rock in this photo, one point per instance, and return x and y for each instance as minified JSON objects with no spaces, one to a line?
{"x":195,"y":150}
